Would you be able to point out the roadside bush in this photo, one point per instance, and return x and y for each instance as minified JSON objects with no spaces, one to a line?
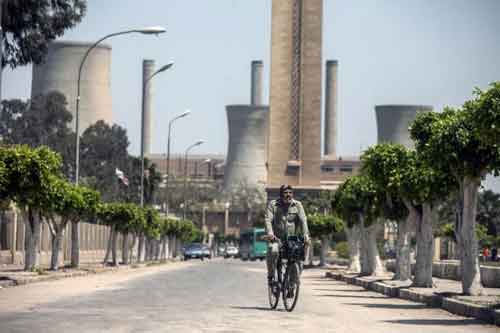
{"x":342,"y":250}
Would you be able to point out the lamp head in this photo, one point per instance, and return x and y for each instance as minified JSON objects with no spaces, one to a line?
{"x":187,"y":112}
{"x":165,"y":67}
{"x":152,"y":30}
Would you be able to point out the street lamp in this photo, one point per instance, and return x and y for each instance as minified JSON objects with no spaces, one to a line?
{"x":197,"y":143}
{"x":147,"y":31}
{"x":144,"y":84}
{"x":182,"y":115}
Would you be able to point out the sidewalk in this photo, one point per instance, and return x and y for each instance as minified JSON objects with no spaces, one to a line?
{"x":445,"y":294}
{"x":14,"y":275}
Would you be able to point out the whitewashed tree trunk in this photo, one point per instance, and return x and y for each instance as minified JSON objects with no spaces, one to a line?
{"x":466,"y":237}
{"x":125,"y":249}
{"x":110,"y":245}
{"x":114,"y":248}
{"x":376,"y":264}
{"x":325,"y":248}
{"x":403,"y":246}
{"x":32,"y":240}
{"x":174,"y":246}
{"x":353,"y":242}
{"x":132,"y":248}
{"x":75,"y":244}
{"x":56,"y":247}
{"x":140,"y":249}
{"x":425,"y":248}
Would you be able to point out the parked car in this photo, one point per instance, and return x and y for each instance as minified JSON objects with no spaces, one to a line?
{"x":221,"y":250}
{"x":231,"y":251}
{"x":197,"y":251}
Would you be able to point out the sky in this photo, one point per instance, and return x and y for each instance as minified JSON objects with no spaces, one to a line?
{"x":389,"y":51}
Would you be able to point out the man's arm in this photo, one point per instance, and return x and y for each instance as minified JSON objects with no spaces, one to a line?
{"x":269,"y":218}
{"x":303,"y":221}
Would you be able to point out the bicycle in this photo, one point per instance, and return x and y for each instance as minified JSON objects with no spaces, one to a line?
{"x":286,"y":280}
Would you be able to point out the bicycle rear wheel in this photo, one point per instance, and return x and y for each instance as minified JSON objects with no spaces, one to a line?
{"x":291,"y":286}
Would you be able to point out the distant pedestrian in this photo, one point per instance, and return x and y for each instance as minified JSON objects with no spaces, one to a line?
{"x":494,"y":253}
{"x":486,"y":253}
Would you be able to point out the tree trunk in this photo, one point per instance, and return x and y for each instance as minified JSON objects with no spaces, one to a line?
{"x":157,"y":249}
{"x":108,"y":248}
{"x":353,"y":242}
{"x":56,"y":247}
{"x":125,"y":249}
{"x":371,"y":263}
{"x":174,"y":246}
{"x":132,"y":249}
{"x":403,"y":246}
{"x":75,"y":244}
{"x":114,"y":248}
{"x":425,"y":248}
{"x":466,"y":237}
{"x":140,"y":250}
{"x":325,"y":248}
{"x":32,"y":240}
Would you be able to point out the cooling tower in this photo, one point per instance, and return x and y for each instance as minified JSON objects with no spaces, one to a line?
{"x":246,"y":156}
{"x":331,"y":109}
{"x":393,"y":122}
{"x":60,"y":72}
{"x":148,"y":68}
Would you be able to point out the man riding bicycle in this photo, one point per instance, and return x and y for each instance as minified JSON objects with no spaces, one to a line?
{"x":284,"y":217}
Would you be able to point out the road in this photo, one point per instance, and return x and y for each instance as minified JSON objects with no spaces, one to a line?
{"x":212,"y":296}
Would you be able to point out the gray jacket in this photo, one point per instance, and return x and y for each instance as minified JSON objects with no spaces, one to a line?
{"x":282,"y":220}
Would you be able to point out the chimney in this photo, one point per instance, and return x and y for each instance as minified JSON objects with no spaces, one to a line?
{"x":148,"y":68}
{"x":256,"y":83}
{"x":331,"y":109}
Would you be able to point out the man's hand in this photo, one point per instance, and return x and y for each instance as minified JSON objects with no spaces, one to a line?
{"x":269,"y":238}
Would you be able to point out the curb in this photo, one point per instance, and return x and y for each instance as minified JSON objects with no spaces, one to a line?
{"x":452,"y":305}
{"x":9,"y":282}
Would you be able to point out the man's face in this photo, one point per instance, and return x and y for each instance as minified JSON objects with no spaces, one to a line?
{"x":287,"y":196}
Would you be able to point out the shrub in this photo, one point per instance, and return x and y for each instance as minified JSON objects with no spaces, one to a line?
{"x":342,"y":250}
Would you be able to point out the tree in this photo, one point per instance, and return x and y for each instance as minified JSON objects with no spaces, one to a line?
{"x":488,"y":211}
{"x":45,"y":120}
{"x":465,"y":140}
{"x":103,"y":149}
{"x":357,"y":202}
{"x":67,"y":203}
{"x":322,"y":226}
{"x":29,"y":175}
{"x":384,"y":164}
{"x":29,"y":26}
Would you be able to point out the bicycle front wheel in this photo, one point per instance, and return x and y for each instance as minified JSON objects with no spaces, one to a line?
{"x":291,"y":286}
{"x":273,"y":289}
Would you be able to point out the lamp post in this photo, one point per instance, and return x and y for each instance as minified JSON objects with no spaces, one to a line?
{"x":168,"y":153}
{"x":197,"y":143}
{"x":144,"y":85}
{"x":147,"y":31}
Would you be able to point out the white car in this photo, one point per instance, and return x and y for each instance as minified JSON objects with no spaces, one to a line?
{"x":231,"y":251}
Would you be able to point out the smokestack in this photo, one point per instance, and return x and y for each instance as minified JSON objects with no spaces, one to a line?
{"x":148,"y":68}
{"x":256,"y":83}
{"x":331,"y":109}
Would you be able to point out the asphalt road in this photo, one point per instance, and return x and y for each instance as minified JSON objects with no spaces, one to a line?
{"x":212,"y":296}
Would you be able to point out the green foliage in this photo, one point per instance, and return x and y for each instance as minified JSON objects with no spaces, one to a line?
{"x":323,"y":225}
{"x":188,"y":232}
{"x":45,"y":120}
{"x":125,"y":217}
{"x":488,"y":211}
{"x":28,"y":174}
{"x":357,"y":196}
{"x":29,"y":25}
{"x":342,"y":250}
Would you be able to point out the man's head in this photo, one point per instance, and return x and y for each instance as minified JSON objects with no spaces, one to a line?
{"x":286,"y":193}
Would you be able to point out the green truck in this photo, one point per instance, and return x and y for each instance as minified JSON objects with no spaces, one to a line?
{"x":252,"y":247}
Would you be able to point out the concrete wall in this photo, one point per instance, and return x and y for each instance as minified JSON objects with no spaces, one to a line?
{"x":246,"y":156}
{"x":60,"y":72}
{"x":93,"y":241}
{"x":393,"y":122}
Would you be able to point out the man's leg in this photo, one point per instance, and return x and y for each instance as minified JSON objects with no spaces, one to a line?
{"x":271,"y":259}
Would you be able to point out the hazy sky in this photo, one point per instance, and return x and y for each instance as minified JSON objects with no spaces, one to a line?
{"x":390,"y":51}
